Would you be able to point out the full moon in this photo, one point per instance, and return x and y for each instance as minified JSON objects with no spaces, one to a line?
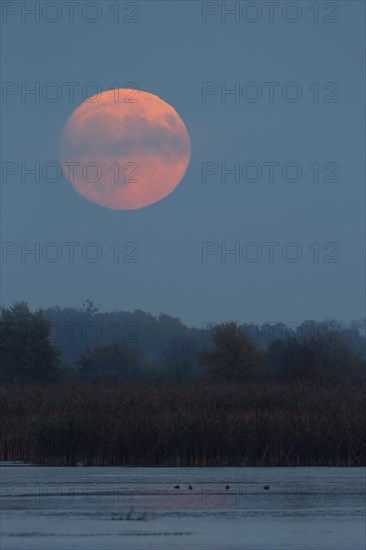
{"x":124,"y":149}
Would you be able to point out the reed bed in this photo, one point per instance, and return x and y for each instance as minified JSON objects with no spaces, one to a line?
{"x":189,"y":424}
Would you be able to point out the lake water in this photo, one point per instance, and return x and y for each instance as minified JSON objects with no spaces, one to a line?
{"x":139,"y":508}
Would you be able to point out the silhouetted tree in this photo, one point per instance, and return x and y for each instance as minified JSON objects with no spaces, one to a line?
{"x":233,"y":356}
{"x":323,"y":354}
{"x":26,"y":353}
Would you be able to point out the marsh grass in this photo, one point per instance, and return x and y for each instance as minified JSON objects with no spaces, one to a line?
{"x":187,"y":424}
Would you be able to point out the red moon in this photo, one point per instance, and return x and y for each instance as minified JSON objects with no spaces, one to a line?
{"x":124,"y":149}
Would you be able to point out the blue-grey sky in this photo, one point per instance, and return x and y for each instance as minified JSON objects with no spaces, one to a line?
{"x":294,"y":129}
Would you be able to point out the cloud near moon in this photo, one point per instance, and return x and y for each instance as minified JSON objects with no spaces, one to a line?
{"x":124,"y":150}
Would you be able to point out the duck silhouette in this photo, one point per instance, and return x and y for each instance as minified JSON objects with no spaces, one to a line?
{"x":266,"y":487}
{"x":227,"y":487}
{"x":176,"y":486}
{"x":190,"y":487}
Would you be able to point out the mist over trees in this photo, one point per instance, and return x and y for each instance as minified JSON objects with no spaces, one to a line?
{"x":111,"y":362}
{"x":79,"y":386}
{"x":60,"y":344}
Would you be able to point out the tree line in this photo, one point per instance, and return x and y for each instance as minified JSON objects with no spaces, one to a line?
{"x":63,"y":344}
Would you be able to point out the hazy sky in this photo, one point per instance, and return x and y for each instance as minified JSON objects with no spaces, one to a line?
{"x":293,"y":130}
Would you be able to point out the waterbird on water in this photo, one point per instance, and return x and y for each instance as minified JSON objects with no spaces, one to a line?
{"x":227,"y":487}
{"x":176,"y":486}
{"x":190,"y":487}
{"x":266,"y":487}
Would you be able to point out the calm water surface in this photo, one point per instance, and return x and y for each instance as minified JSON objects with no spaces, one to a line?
{"x":140,"y":508}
